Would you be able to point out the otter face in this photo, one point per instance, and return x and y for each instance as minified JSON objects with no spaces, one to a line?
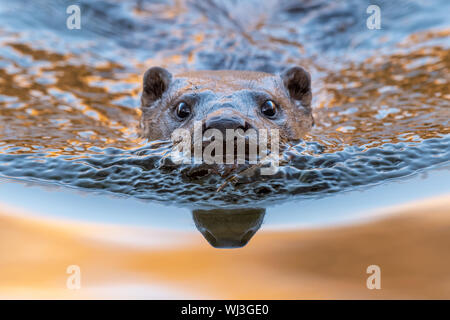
{"x":226,"y":99}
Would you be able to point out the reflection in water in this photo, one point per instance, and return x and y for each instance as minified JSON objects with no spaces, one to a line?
{"x":228,"y":228}
{"x":330,"y":263}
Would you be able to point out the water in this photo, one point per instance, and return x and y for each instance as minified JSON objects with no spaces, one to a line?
{"x":69,"y":99}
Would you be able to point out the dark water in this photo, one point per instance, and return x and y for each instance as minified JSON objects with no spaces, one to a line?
{"x":69,"y":98}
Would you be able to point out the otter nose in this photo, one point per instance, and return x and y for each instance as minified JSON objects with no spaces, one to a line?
{"x":225,"y":119}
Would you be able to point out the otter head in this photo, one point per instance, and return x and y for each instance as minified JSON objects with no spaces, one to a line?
{"x":226,"y":99}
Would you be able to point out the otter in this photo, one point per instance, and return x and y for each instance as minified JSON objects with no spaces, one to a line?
{"x":226,"y":99}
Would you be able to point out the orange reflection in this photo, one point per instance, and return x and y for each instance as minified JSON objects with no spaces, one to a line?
{"x":410,"y":246}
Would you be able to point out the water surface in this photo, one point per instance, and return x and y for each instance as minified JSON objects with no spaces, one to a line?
{"x":69,"y":99}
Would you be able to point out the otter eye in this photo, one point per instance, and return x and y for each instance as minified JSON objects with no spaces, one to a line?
{"x":269,"y":108}
{"x":183,"y":110}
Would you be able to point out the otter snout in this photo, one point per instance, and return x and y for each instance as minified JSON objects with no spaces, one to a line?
{"x":224,"y":119}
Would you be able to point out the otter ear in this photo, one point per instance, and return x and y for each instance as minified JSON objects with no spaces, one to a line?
{"x":155,"y":82}
{"x":298,"y":82}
